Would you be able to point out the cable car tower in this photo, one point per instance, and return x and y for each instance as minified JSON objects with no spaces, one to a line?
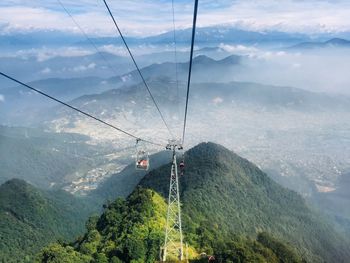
{"x":173,"y":243}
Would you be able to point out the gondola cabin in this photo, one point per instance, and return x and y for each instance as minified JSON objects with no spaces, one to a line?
{"x":142,"y":161}
{"x":182,"y":168}
{"x":182,"y":165}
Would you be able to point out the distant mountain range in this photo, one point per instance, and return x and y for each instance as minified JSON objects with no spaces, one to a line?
{"x":162,"y":81}
{"x":126,"y":102}
{"x":332,"y":43}
{"x":20,"y":101}
{"x":211,"y":36}
{"x":207,"y":35}
{"x":68,"y":64}
{"x":205,"y":69}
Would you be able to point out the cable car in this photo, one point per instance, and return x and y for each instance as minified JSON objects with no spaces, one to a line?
{"x":211,"y":259}
{"x":182,"y":167}
{"x":142,"y":158}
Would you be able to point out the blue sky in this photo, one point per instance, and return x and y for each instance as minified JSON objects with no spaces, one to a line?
{"x":149,"y":17}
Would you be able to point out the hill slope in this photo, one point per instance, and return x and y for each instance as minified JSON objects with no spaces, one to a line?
{"x":232,"y":196}
{"x":132,"y":230}
{"x":30,"y":219}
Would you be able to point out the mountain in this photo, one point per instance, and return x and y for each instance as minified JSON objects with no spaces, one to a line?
{"x":204,"y":69}
{"x":212,"y":35}
{"x":229,"y":208}
{"x":332,"y":43}
{"x":233,"y":196}
{"x":32,"y":218}
{"x":132,"y":230}
{"x":19,"y":101}
{"x":65,"y":64}
{"x":128,"y":230}
{"x":128,"y":101}
{"x":209,"y":76}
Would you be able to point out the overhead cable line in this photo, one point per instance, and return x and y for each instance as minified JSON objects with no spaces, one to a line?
{"x":137,"y":67}
{"x":88,"y":38}
{"x":190,"y":66}
{"x":175,"y":57}
{"x":78,"y":110}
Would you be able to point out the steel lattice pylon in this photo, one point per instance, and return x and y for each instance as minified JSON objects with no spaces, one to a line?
{"x":173,"y":244}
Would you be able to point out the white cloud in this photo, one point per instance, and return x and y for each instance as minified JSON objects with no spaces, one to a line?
{"x":43,"y":54}
{"x":46,"y":70}
{"x":238,"y":49}
{"x":218,"y":100}
{"x":147,"y":17}
{"x":116,"y":50}
{"x":81,"y":68}
{"x":2,"y":98}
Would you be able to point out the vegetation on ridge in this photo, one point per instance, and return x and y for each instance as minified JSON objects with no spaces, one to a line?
{"x":31,"y":218}
{"x":132,"y":230}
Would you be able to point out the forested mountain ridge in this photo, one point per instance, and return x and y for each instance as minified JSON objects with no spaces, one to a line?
{"x":230,"y":208}
{"x":31,"y":218}
{"x":234,"y":197}
{"x":132,"y":230}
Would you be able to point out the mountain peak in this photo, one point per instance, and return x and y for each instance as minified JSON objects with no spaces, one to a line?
{"x":334,"y":42}
{"x":338,"y":41}
{"x":203,"y":59}
{"x":223,"y":189}
{"x":17,"y":190}
{"x":208,"y":146}
{"x":14,"y":183}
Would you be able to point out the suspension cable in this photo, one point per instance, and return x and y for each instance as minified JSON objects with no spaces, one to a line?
{"x":78,"y":110}
{"x":137,"y":68}
{"x":88,"y":38}
{"x":175,"y":57}
{"x":190,"y":66}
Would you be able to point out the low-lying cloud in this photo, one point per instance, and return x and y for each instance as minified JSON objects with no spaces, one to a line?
{"x":323,"y":70}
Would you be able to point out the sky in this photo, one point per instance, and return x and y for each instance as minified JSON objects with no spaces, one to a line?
{"x":151,"y":17}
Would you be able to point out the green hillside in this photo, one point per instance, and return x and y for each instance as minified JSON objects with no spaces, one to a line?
{"x":128,"y":230}
{"x":230,"y":209}
{"x":227,"y":195}
{"x":132,"y":230}
{"x":31,"y":218}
